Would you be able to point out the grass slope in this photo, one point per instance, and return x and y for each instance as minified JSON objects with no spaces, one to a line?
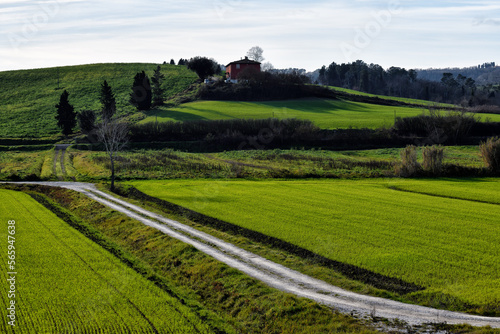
{"x":400,"y":99}
{"x":67,"y":283}
{"x":327,"y":114}
{"x":28,"y":97}
{"x":447,"y":245}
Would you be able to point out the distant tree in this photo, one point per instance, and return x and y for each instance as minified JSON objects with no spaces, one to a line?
{"x":114,"y":136}
{"x":255,"y":53}
{"x":449,"y":80}
{"x":108,"y":102}
{"x":182,"y":62}
{"x":172,"y":62}
{"x":141,"y":92}
{"x":267,"y":66}
{"x":158,"y":91}
{"x":66,"y":116}
{"x":203,"y":66}
{"x":86,"y":120}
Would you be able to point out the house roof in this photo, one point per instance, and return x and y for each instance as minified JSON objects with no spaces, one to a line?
{"x":243,"y":61}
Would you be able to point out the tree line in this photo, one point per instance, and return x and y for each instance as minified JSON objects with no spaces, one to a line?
{"x":400,"y":82}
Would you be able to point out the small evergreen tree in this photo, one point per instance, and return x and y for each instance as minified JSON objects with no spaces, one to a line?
{"x":86,"y":120}
{"x":158,"y":91}
{"x":66,"y":116}
{"x":172,"y":62}
{"x":141,"y":92}
{"x":107,"y":99}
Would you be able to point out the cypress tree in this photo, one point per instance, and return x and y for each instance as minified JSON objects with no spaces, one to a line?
{"x":66,"y":116}
{"x":158,"y":91}
{"x":141,"y":92}
{"x":107,"y":99}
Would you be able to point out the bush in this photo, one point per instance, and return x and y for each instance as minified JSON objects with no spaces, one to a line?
{"x":216,"y":129}
{"x":409,"y":165}
{"x":433,"y":159}
{"x":490,"y":151}
{"x":439,"y":129}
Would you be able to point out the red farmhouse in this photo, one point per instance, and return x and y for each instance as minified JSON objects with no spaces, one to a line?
{"x":234,"y":68}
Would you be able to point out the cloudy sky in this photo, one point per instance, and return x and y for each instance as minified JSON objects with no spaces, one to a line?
{"x":293,"y":33}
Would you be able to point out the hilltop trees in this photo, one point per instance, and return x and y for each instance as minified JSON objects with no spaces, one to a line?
{"x":66,"y":116}
{"x":141,"y":92}
{"x":203,"y":66}
{"x":397,"y":81}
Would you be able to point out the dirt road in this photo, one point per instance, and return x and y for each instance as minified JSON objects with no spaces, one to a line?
{"x":60,"y":148}
{"x":276,"y":275}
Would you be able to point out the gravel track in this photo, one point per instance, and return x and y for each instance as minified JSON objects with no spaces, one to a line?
{"x":276,"y":275}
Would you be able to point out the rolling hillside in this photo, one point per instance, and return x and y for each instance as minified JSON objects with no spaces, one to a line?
{"x":28,"y":97}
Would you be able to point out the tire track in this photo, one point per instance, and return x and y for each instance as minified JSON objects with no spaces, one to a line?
{"x":278,"y":276}
{"x":59,"y":158}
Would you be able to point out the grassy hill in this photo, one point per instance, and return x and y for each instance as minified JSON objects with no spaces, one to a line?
{"x":28,"y":97}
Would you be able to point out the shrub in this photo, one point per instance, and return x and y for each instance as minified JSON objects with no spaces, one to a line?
{"x":433,"y":159}
{"x":451,"y":128}
{"x":490,"y":151}
{"x":409,"y":165}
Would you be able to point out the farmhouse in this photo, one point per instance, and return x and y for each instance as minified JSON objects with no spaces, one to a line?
{"x":234,"y":68}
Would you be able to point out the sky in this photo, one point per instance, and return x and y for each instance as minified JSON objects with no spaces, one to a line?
{"x":292,"y":33}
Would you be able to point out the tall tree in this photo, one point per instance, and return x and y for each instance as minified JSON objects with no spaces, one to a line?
{"x":66,"y":116}
{"x":255,"y":53}
{"x":158,"y":91}
{"x":141,"y":92}
{"x":114,"y":136}
{"x":108,"y":101}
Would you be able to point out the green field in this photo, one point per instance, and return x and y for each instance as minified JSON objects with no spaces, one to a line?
{"x":327,"y":114}
{"x":449,"y":246}
{"x":66,"y":283}
{"x":400,"y":99}
{"x":28,"y":97}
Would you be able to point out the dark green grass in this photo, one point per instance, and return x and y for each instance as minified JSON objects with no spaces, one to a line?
{"x":28,"y":97}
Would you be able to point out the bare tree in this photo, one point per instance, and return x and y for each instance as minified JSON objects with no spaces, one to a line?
{"x":114,"y":135}
{"x":267,"y":67}
{"x":255,"y":53}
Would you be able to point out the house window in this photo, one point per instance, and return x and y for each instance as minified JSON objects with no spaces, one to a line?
{"x":237,"y":66}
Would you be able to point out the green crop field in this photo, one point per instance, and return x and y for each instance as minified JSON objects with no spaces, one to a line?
{"x":327,"y":114}
{"x":449,"y":246}
{"x":28,"y":97}
{"x":65,"y":283}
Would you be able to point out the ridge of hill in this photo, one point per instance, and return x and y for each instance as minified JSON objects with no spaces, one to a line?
{"x":28,"y":97}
